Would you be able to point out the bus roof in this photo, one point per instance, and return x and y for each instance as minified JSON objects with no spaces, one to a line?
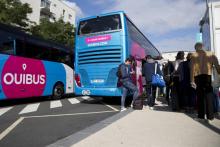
{"x":119,"y":12}
{"x":104,"y":14}
{"x":20,"y":34}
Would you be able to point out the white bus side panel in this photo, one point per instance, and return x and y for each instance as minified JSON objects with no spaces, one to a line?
{"x":215,"y":16}
{"x":217,"y":44}
{"x":69,"y":79}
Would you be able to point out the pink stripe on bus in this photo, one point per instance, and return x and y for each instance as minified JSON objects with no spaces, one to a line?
{"x":98,"y":39}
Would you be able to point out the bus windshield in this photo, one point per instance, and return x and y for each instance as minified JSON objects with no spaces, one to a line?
{"x":100,"y":24}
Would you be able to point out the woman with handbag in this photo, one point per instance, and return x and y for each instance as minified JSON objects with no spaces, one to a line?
{"x":149,"y":69}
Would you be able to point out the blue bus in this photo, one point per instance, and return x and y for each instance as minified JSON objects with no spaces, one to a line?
{"x":33,"y":67}
{"x":102,"y":43}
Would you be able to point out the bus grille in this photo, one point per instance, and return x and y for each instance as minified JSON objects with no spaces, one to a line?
{"x":108,"y":75}
{"x":85,"y":78}
{"x":112,"y":79}
{"x":99,"y":56}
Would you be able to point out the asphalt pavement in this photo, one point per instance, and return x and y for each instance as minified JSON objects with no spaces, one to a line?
{"x":38,"y":123}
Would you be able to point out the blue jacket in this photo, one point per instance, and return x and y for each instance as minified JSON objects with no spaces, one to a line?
{"x":149,"y":70}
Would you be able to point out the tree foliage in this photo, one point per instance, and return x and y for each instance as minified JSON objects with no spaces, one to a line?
{"x":14,"y":12}
{"x":58,"y":31}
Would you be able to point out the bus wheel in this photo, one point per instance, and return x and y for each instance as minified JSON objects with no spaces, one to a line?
{"x":58,"y":91}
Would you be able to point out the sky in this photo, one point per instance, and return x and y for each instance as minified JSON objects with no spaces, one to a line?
{"x":171,"y":25}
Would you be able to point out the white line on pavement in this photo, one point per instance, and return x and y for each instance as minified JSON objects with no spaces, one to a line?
{"x":86,"y":97}
{"x":55,"y":104}
{"x":8,"y":130}
{"x":110,"y":106}
{"x":4,"y":110}
{"x":73,"y":101}
{"x":73,"y":114}
{"x":30,"y":108}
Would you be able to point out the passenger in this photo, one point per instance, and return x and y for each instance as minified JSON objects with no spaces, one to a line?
{"x":148,"y":71}
{"x":167,"y":71}
{"x":161,"y":89}
{"x":175,"y":90}
{"x":202,"y":63}
{"x":127,"y":84}
{"x":187,"y":97}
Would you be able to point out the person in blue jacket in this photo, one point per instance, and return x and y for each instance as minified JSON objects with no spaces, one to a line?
{"x":127,"y":84}
{"x":148,"y":71}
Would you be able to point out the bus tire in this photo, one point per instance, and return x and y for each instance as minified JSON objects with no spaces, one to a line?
{"x":58,"y":91}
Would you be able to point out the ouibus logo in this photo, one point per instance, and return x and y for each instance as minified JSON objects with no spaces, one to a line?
{"x":10,"y":78}
{"x":22,"y":77}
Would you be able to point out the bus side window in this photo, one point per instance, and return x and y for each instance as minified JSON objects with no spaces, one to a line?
{"x":34,"y":51}
{"x":20,"y":48}
{"x":42,"y":53}
{"x":6,"y":42}
{"x":68,"y":60}
{"x":29,"y":51}
{"x":7,"y":47}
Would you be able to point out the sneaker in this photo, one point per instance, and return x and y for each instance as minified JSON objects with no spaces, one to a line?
{"x":201,"y":120}
{"x":211,"y":121}
{"x":131,"y":104}
{"x":217,"y":116}
{"x":123,"y":109}
{"x":145,"y":107}
{"x":151,"y":108}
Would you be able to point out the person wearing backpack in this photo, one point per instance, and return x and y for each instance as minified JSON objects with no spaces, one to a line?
{"x":167,"y":71}
{"x":124,"y":75}
{"x":148,"y":72}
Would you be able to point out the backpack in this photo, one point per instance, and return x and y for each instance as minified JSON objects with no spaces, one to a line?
{"x":119,"y":72}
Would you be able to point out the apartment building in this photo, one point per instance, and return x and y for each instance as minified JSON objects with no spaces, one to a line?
{"x":51,"y":9}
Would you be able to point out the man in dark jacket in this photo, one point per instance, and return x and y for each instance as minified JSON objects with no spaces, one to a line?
{"x":187,"y":96}
{"x":167,"y":71}
{"x":148,"y":71}
{"x":127,"y":83}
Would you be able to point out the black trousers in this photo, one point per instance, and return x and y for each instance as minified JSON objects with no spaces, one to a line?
{"x":168,"y":89}
{"x":151,"y":93}
{"x":204,"y":92}
{"x":175,"y":94}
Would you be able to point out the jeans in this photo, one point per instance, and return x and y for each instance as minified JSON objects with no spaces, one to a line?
{"x":128,"y":86}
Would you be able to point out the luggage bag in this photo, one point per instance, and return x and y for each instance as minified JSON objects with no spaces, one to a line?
{"x":138,"y":104}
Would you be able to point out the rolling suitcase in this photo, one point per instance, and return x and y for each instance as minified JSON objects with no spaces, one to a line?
{"x":138,"y":104}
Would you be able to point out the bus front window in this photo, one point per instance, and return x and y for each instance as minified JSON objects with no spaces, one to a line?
{"x":100,"y":24}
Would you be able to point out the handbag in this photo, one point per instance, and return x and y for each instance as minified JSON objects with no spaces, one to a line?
{"x":215,"y":79}
{"x":157,"y":80}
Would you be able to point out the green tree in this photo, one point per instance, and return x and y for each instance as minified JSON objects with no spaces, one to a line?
{"x":13,"y":12}
{"x":57,"y":31}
